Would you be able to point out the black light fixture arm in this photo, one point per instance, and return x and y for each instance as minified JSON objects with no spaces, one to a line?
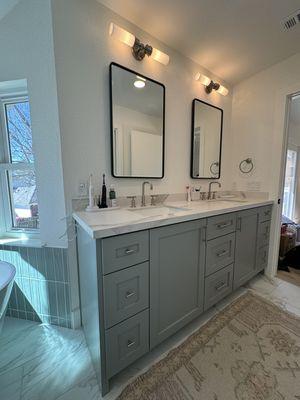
{"x":213,"y":85}
{"x":139,"y":50}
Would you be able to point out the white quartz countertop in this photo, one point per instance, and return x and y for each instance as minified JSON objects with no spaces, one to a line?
{"x":112,"y":222}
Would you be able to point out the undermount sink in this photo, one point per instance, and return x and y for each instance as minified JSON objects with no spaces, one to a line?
{"x":231,"y":200}
{"x":111,"y":217}
{"x":154,"y":211}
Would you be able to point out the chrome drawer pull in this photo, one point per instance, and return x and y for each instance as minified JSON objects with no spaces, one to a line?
{"x":224,"y":225}
{"x":222,"y":253}
{"x":221,"y":286}
{"x":129,"y":294}
{"x":129,"y":251}
{"x":130,"y":343}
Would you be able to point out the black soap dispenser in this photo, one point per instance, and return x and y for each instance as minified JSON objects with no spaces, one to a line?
{"x":103,"y":201}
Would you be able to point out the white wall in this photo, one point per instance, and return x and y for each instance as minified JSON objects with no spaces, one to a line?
{"x":26,"y":49}
{"x":254,"y":124}
{"x":83,"y":51}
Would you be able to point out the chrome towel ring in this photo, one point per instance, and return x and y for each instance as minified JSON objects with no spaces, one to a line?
{"x":246,"y":166}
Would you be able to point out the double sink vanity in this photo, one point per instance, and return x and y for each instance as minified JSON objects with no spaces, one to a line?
{"x":147,"y":272}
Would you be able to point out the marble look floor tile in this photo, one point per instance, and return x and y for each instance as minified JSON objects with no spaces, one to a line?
{"x":34,"y":341}
{"x":58,"y":370}
{"x":262,"y":284}
{"x":11,"y":384}
{"x":86,"y":389}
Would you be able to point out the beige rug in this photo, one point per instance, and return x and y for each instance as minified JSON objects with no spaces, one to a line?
{"x":249,"y":351}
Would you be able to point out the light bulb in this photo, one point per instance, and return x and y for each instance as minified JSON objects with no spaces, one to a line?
{"x":120,"y":33}
{"x":139,"y":84}
{"x":205,"y":80}
{"x":222,"y":90}
{"x":159,"y":56}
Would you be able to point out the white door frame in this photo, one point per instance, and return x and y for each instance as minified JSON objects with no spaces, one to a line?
{"x":280,"y":143}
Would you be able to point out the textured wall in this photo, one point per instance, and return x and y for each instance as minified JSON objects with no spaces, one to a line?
{"x":42,"y":288}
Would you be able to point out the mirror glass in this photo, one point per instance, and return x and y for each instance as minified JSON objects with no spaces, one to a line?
{"x":207,"y":121}
{"x":137,"y":124}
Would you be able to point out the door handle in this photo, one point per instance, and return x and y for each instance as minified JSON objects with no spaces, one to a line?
{"x":239,"y":224}
{"x":129,"y":251}
{"x":204,"y":231}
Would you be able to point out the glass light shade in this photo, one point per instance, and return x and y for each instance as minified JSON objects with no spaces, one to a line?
{"x":139,"y":84}
{"x":159,"y":56}
{"x":222,"y":90}
{"x":205,"y":80}
{"x":122,"y":35}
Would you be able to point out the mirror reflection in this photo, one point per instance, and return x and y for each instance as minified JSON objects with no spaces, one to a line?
{"x":207,"y":123}
{"x":137,"y":107}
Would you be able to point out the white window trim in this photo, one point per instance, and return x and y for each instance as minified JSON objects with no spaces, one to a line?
{"x":7,"y":229}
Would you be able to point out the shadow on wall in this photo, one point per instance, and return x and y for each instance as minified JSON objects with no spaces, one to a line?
{"x":41,"y":290}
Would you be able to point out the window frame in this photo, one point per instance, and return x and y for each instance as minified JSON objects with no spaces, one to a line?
{"x":6,"y":165}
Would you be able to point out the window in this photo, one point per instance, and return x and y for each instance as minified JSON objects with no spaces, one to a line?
{"x":290,"y":184}
{"x":18,"y":181}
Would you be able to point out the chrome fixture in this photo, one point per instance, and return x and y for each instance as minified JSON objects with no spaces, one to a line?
{"x":132,"y":203}
{"x":143,"y":202}
{"x":209,"y":196}
{"x":246,"y":166}
{"x":153,"y":199}
{"x":139,"y":50}
{"x":210,"y":85}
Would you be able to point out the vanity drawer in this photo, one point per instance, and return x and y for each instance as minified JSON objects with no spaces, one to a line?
{"x":126,"y":293}
{"x":262,"y":258}
{"x":263,"y":234}
{"x":122,"y":251}
{"x":220,"y":225}
{"x":218,"y":286}
{"x":219,"y":253}
{"x":126,"y":342}
{"x":265,"y":213}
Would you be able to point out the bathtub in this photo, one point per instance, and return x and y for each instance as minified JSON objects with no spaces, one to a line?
{"x":7,"y":275}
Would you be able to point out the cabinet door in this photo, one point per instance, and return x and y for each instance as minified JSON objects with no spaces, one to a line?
{"x":245,"y":248}
{"x":177,"y":257}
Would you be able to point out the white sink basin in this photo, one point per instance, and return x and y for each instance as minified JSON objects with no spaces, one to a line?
{"x":153,"y":211}
{"x":231,"y":200}
{"x":111,"y":217}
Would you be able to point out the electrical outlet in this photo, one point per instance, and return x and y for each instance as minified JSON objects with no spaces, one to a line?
{"x":82,"y":189}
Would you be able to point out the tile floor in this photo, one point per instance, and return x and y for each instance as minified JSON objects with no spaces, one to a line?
{"x":45,"y":362}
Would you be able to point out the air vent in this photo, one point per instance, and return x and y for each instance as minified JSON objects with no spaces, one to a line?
{"x":291,"y":21}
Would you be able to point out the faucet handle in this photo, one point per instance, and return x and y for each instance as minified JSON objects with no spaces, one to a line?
{"x":133,"y":204}
{"x":153,"y":199}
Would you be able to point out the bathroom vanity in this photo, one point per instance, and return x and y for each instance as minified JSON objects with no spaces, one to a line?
{"x":141,"y":282}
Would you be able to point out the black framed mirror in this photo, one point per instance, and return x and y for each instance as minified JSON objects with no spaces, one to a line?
{"x":137,"y":107}
{"x":207,"y":126}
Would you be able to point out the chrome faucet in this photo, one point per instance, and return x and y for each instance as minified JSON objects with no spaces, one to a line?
{"x":209,"y":188}
{"x":143,"y":202}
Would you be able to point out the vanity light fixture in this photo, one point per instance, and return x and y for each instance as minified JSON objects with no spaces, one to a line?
{"x":139,"y":50}
{"x":210,"y":85}
{"x":139,"y":82}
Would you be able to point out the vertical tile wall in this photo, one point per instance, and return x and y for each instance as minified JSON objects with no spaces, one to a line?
{"x":42,"y":288}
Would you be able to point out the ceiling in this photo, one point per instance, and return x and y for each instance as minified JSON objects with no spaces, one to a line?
{"x":232,"y":38}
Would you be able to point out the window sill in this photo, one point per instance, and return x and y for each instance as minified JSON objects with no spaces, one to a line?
{"x":20,"y":242}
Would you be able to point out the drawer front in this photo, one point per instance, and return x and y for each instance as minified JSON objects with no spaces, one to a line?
{"x":126,"y":293}
{"x":219,"y":253}
{"x":263,"y":233}
{"x":220,"y":225}
{"x":218,"y":286}
{"x":126,"y":342}
{"x":122,"y":251}
{"x":265,"y":213}
{"x":262,"y":258}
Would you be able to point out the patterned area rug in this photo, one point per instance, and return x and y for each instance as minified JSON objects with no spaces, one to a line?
{"x":249,"y":351}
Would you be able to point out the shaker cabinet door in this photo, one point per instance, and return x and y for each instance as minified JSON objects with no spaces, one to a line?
{"x":245,"y":246}
{"x":177,"y":257}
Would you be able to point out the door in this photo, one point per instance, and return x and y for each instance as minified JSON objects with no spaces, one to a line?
{"x":245,"y":246}
{"x":177,"y":257}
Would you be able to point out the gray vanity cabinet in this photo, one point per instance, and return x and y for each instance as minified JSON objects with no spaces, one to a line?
{"x":245,"y":246}
{"x":177,"y":258}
